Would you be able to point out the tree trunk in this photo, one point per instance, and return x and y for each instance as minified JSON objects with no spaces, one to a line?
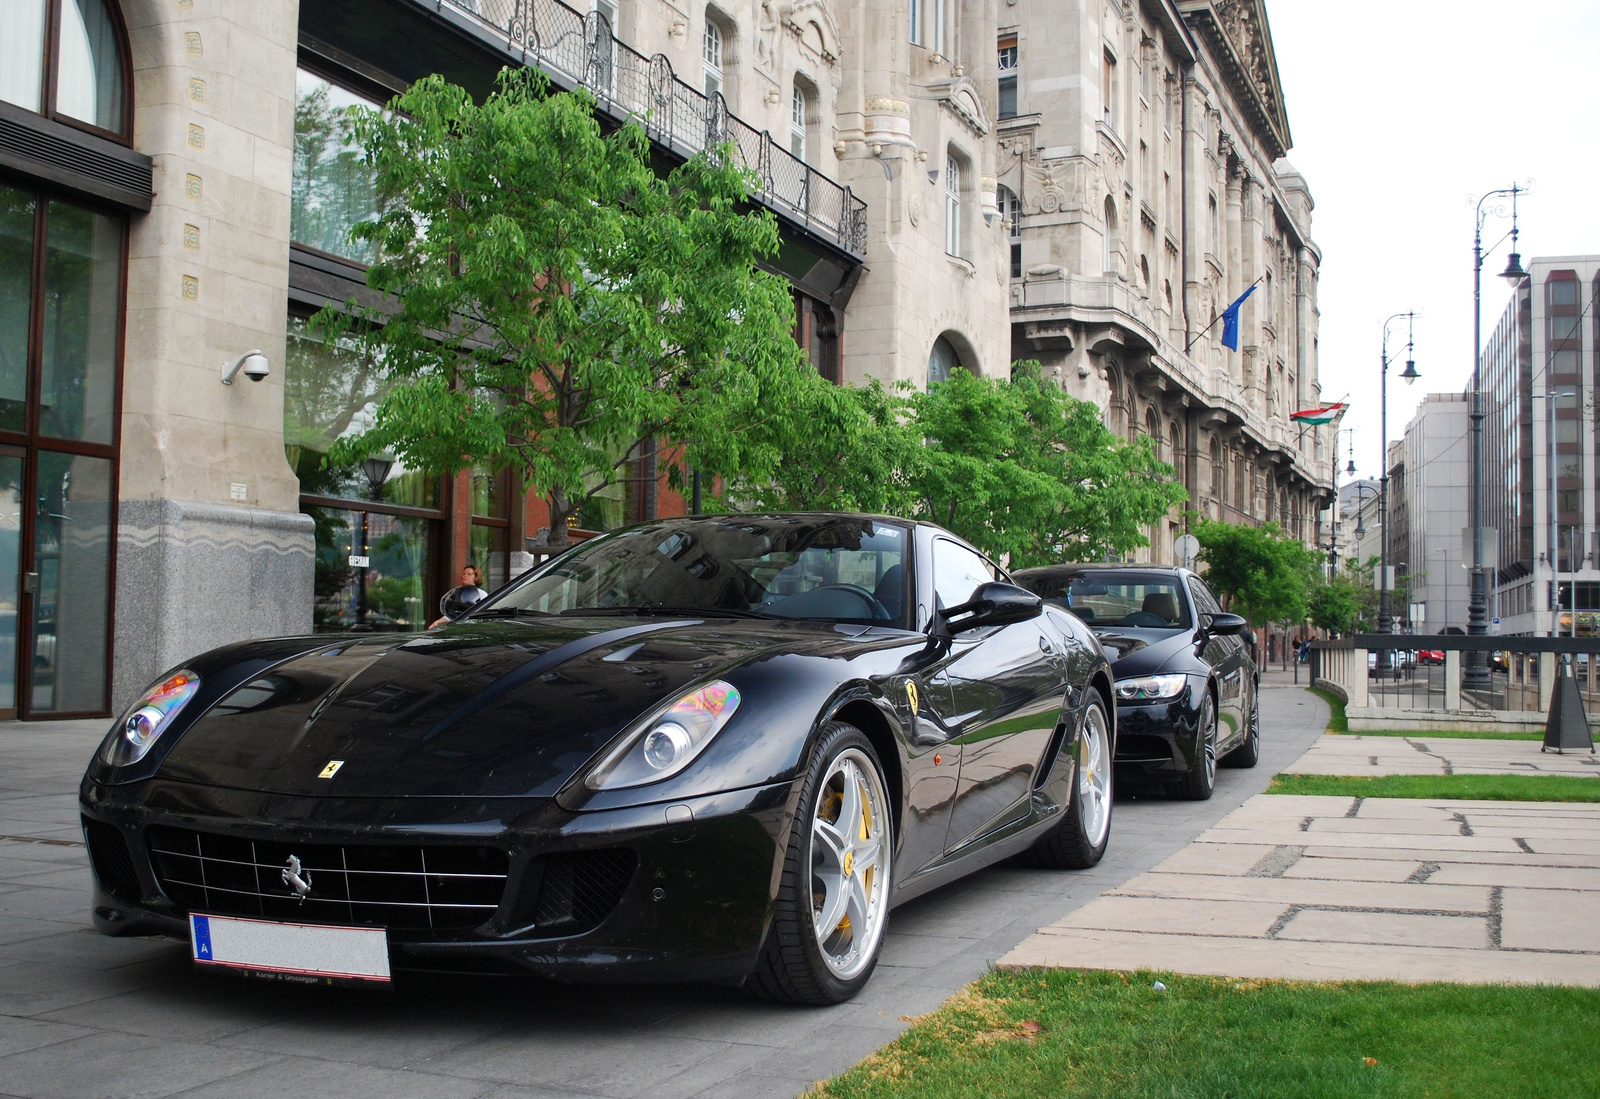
{"x":560,"y":512}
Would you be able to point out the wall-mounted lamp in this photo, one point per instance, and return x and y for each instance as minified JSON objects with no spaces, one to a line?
{"x":679,"y":28}
{"x":253,"y":363}
{"x":933,"y":175}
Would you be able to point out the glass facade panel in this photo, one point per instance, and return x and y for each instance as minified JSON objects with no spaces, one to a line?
{"x":22,"y":52}
{"x":89,"y":83}
{"x":330,"y":392}
{"x":488,"y":493}
{"x":82,"y":272}
{"x":72,"y":556}
{"x":10,"y":562}
{"x":488,"y":554}
{"x":386,"y":594}
{"x":16,"y":300}
{"x":333,"y":188}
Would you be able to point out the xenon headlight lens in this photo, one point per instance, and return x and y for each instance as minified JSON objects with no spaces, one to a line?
{"x":669,"y":741}
{"x":1151,"y":688}
{"x":148,"y":718}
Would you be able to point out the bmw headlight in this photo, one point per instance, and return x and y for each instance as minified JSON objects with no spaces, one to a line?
{"x":1151,"y":688}
{"x":669,"y":741}
{"x":132,"y":737}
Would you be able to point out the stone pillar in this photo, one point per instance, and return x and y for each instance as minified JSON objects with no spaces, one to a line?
{"x":212,"y":547}
{"x":1547,"y":680}
{"x":1356,"y":681}
{"x":1452,"y":679}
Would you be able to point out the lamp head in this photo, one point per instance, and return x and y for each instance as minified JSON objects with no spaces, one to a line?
{"x":1351,"y":468}
{"x":1361,"y":527}
{"x":1514,"y":274}
{"x":1409,"y":374}
{"x":376,"y":470}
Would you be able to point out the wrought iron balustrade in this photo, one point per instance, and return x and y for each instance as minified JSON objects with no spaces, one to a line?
{"x":579,"y":50}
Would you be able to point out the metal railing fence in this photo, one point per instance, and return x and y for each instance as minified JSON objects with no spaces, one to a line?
{"x":578,"y":50}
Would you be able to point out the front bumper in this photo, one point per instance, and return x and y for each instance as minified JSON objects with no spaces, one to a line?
{"x":1160,"y":738}
{"x":695,"y":907}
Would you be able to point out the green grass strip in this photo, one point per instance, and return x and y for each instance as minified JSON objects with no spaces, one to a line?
{"x":1076,"y":1034}
{"x":1448,"y":787}
{"x":1336,"y":719}
{"x":1444,"y":734}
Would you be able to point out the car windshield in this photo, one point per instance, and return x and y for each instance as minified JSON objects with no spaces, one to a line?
{"x":1134,"y":601}
{"x":824,"y":568}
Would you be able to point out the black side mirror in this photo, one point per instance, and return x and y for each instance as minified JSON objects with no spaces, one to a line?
{"x":994,"y":604}
{"x":457,"y":601}
{"x":1225,"y":625}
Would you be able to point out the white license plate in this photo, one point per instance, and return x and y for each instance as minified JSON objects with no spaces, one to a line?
{"x":301,"y":952}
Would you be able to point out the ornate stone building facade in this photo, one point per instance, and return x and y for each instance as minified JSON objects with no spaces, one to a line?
{"x":1140,"y":166}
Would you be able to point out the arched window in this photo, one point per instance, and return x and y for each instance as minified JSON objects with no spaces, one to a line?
{"x":1175,"y":449}
{"x":952,"y":204}
{"x":1108,"y":237}
{"x":1011,"y":211}
{"x":1144,"y":274}
{"x":712,"y":53}
{"x":941,"y":361}
{"x":799,"y":111}
{"x":73,"y":70}
{"x":1133,"y":417}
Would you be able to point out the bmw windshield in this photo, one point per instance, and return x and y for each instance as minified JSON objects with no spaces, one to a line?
{"x":1142,"y":601}
{"x":821,"y":568}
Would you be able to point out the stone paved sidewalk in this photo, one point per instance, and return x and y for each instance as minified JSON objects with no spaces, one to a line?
{"x":1353,"y":754}
{"x":1338,"y":888}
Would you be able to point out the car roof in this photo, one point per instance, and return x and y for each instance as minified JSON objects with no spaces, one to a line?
{"x":1070,"y":568}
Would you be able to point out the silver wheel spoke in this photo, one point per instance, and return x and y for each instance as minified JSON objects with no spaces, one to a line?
{"x":850,"y":863}
{"x":833,"y":908}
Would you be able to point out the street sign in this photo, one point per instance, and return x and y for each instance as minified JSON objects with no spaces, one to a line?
{"x":1187,"y":547}
{"x":358,"y":561}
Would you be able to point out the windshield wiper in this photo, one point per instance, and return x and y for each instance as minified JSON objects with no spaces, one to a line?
{"x":510,"y":612}
{"x":670,"y":611}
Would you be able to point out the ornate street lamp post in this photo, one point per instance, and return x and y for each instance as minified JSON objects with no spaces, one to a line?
{"x":1409,"y":374}
{"x":1476,"y":674}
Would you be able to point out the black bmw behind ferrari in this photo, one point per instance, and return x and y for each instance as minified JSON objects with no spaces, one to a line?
{"x":707,"y":749}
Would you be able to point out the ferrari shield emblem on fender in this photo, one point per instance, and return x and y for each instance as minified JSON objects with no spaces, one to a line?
{"x":332,"y":768}
{"x":911,"y":694}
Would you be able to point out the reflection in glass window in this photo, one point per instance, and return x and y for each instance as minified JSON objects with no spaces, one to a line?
{"x":386,"y":594}
{"x":330,"y":392}
{"x":333,"y":187}
{"x":22,"y":52}
{"x":957,"y":573}
{"x":488,"y":492}
{"x":89,"y":75}
{"x":16,"y":297}
{"x":78,"y":359}
{"x":72,"y":555}
{"x":10,"y":560}
{"x":488,"y":555}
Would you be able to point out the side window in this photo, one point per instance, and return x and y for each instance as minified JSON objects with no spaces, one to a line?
{"x":957,"y":572}
{"x":1203,"y":599}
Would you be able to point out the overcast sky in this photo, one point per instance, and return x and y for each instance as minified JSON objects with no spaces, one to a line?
{"x":1403,"y":113}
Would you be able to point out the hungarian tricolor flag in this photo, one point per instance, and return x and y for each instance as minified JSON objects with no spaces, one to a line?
{"x":1317,"y":415}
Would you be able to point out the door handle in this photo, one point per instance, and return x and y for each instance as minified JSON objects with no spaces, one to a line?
{"x":30,"y":583}
{"x":1045,"y":646}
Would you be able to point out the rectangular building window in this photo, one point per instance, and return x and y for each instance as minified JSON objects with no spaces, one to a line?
{"x":1008,"y":77}
{"x":332,"y":189}
{"x":1563,"y":292}
{"x":952,"y":206}
{"x":1108,"y":89}
{"x":711,"y":57}
{"x":797,"y":122}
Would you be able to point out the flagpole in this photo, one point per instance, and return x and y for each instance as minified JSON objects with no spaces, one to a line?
{"x":1222,"y":314}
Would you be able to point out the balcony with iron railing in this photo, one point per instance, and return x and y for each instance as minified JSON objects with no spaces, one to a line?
{"x":577,"y":50}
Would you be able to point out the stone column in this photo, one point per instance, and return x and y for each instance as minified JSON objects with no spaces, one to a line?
{"x":212,"y":547}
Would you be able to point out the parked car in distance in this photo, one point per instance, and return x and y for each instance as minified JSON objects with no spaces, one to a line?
{"x":1187,"y":683}
{"x":710,"y":748}
{"x":1430,"y":656}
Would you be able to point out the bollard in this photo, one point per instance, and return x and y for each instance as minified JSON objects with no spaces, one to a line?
{"x":1567,"y":725}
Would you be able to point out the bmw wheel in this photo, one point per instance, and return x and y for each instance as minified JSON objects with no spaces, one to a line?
{"x":1080,"y":839}
{"x":833,"y":897}
{"x":1201,"y":779}
{"x":1248,"y":754}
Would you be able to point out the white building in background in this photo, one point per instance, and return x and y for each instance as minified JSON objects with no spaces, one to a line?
{"x":1436,"y":457}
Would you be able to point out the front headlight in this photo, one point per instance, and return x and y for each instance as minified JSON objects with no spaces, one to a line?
{"x":667,"y":743}
{"x":147,"y":719}
{"x":1151,"y":688}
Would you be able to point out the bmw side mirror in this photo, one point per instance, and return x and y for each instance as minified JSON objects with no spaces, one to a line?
{"x":458,"y":601}
{"x":1225,"y":625}
{"x":994,"y":604}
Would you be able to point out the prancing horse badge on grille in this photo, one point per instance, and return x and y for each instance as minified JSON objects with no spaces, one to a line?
{"x":297,"y":879}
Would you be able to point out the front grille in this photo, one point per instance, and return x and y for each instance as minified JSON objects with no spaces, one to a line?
{"x":1142,"y":748}
{"x":108,"y":854}
{"x":579,"y":889}
{"x":401,"y":886}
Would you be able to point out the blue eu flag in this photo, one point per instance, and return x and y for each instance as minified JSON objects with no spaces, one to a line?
{"x":1230,"y":321}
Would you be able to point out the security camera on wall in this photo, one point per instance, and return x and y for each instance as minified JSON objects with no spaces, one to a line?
{"x":253,"y":363}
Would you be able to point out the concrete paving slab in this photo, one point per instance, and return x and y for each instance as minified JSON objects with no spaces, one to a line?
{"x":1317,"y":865}
{"x":313,"y":1077}
{"x":1526,"y":877}
{"x":1299,"y":891}
{"x":1540,"y":919}
{"x":1162,"y":914}
{"x":1390,"y":928}
{"x":123,"y":1065}
{"x":1353,"y":754}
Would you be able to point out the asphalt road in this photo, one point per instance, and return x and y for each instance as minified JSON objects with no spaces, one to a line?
{"x":82,"y":1015}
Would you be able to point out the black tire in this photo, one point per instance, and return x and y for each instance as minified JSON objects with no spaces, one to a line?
{"x":791,"y":967}
{"x":1071,"y":843}
{"x":1248,"y":754}
{"x":1201,"y":779}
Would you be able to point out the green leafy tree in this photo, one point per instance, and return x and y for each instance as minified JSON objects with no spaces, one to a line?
{"x":557,"y":306}
{"x":1335,"y":605}
{"x":1016,"y":466}
{"x":1265,"y":576}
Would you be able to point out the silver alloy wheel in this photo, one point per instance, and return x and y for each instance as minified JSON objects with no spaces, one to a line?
{"x":1094,"y":777}
{"x":1210,"y":753}
{"x":849,"y":863}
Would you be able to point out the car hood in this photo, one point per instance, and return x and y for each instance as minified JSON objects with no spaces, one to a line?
{"x":1142,"y":652}
{"x":479,"y":709}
